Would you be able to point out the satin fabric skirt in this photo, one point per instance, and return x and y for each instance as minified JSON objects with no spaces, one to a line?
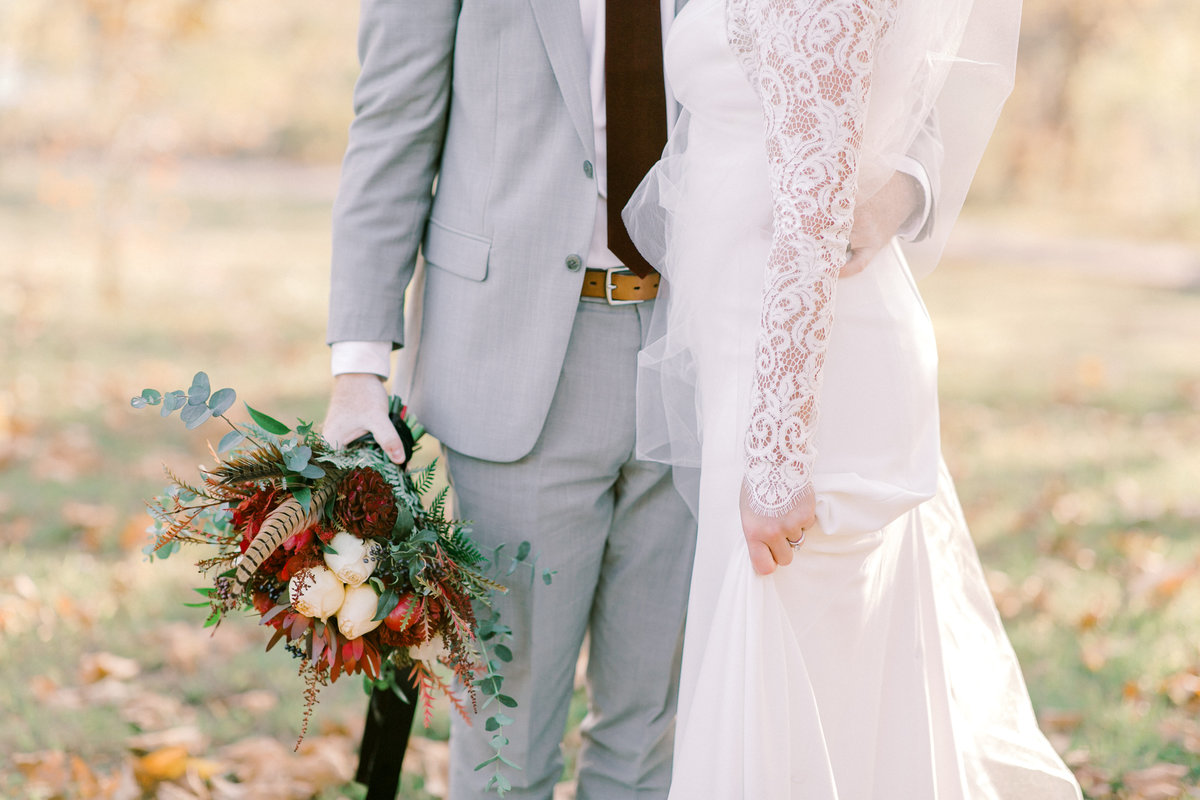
{"x":875,"y":665}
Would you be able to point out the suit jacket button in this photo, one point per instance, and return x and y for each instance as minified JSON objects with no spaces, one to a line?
{"x":574,"y":263}
{"x":587,"y":169}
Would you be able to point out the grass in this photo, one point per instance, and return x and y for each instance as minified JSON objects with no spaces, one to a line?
{"x":1069,"y":419}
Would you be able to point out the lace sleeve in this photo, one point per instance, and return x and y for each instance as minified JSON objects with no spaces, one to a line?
{"x":810,"y":62}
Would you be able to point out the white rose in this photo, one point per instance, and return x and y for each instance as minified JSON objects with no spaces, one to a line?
{"x":433,"y":650}
{"x":316,"y":592}
{"x":354,"y":617}
{"x":354,"y":560}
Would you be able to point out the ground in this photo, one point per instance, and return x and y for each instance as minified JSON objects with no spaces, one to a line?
{"x":1070,"y":386}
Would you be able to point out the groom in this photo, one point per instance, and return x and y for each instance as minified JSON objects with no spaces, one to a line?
{"x":501,"y":139}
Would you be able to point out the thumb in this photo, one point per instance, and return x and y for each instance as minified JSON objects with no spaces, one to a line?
{"x":387,"y":438}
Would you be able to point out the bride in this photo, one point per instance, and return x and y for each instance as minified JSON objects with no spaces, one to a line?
{"x":841,"y":642}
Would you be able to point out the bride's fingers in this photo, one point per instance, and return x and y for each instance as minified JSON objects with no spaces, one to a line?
{"x":761,"y":558}
{"x":781,"y":551}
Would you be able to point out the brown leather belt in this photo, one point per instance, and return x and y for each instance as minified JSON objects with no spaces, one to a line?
{"x":619,"y":286}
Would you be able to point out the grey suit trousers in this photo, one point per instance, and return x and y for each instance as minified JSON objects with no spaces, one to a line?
{"x":620,"y":540}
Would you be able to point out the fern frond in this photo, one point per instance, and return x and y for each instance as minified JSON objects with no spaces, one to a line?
{"x":438,"y":507}
{"x":459,"y":546}
{"x":423,"y":479}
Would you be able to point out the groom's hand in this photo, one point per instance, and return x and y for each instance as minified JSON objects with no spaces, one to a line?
{"x":359,"y":405}
{"x":768,"y":538}
{"x":878,"y":218}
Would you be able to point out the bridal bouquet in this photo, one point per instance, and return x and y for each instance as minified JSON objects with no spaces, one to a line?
{"x":340,"y":557}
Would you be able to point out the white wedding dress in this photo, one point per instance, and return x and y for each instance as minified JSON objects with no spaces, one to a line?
{"x":875,"y":665}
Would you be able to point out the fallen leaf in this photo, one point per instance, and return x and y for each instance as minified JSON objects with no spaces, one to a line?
{"x":1096,"y":782}
{"x":91,"y":520}
{"x":47,"y":769}
{"x":189,"y":737}
{"x":1162,"y":781}
{"x":255,"y":701}
{"x":1052,"y":719}
{"x":1182,"y":688}
{"x":94,"y":667}
{"x":166,"y":764}
{"x":69,"y":454}
{"x":152,"y":711}
{"x":42,"y":687}
{"x":1088,"y":621}
{"x":1162,"y":581}
{"x":1094,"y":654}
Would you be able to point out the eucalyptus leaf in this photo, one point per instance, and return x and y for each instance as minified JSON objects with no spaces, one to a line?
{"x":138,"y":402}
{"x":312,"y":471}
{"x":490,"y":725}
{"x":297,"y":458}
{"x":503,"y":653}
{"x":230,"y":440}
{"x":523,"y":551}
{"x":200,"y":389}
{"x":173,"y":401}
{"x":267,"y":423}
{"x":221,"y":401}
{"x":152,"y":396}
{"x":194,"y":416}
{"x":505,"y":700}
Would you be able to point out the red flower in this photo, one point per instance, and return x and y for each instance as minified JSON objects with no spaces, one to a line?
{"x":365,"y":505}
{"x":250,"y":514}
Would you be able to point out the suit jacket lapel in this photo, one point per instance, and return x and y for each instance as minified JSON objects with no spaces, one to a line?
{"x":562,"y":33}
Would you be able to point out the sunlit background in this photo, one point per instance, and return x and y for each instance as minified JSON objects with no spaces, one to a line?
{"x":166,"y":176}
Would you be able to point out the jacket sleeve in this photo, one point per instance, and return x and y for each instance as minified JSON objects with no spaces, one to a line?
{"x":401,"y":104}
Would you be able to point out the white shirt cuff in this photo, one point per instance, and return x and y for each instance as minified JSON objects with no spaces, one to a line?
{"x":916,"y":220}
{"x":372,"y":357}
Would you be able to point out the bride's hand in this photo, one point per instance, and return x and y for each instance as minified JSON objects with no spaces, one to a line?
{"x":768,"y":539}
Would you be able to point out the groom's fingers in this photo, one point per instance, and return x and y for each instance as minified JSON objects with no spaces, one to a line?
{"x":857,"y":261}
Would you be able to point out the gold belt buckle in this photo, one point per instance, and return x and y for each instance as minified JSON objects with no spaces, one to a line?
{"x":609,"y":286}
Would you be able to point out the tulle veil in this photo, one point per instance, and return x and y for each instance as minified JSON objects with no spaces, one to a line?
{"x":945,"y":66}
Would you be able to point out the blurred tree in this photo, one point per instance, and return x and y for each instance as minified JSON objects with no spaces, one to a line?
{"x":1101,"y":115}
{"x":128,"y":41}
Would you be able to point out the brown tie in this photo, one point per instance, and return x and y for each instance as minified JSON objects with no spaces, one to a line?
{"x":637,"y":108}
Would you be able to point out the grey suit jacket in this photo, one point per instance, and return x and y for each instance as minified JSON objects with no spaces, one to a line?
{"x":488,"y":101}
{"x":490,"y":97}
